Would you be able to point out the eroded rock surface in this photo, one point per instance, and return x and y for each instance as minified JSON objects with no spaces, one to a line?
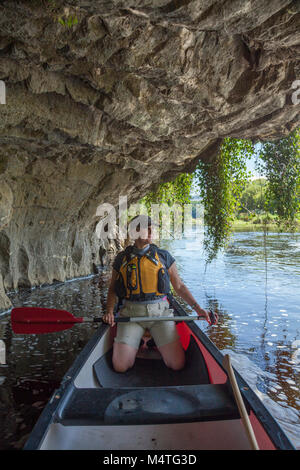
{"x":130,"y":95}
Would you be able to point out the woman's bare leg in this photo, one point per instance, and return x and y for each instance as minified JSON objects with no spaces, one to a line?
{"x":123,"y":356}
{"x":173,"y":355}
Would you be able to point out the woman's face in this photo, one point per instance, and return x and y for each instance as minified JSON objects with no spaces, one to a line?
{"x":145,"y":235}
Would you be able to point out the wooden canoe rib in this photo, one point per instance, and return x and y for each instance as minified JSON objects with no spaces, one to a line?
{"x":150,"y":406}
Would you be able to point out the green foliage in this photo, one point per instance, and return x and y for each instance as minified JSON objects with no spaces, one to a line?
{"x":220,"y":185}
{"x":280,"y":163}
{"x":69,"y":21}
{"x":173,"y":192}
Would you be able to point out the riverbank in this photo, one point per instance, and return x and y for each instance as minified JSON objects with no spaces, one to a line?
{"x":249,"y":226}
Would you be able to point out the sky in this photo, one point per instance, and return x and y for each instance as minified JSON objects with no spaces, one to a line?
{"x":251,"y":167}
{"x":251,"y":163}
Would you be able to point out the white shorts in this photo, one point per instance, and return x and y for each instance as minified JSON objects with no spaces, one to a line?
{"x":162,"y":332}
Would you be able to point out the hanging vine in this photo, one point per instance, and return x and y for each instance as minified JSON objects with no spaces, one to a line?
{"x":220,"y":185}
{"x":172,"y":192}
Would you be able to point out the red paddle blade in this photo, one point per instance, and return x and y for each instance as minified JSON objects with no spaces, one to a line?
{"x":39,"y":328}
{"x":38,"y":320}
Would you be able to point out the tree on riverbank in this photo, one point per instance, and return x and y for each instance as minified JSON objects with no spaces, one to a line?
{"x":253,"y":198}
{"x":279,"y":161}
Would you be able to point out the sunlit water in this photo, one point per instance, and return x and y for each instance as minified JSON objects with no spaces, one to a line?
{"x":254,"y":286}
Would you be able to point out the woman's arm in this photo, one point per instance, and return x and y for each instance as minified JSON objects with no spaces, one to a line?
{"x":111,"y":300}
{"x":181,"y":289}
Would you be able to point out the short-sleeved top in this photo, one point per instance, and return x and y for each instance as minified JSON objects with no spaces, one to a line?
{"x":166,"y":258}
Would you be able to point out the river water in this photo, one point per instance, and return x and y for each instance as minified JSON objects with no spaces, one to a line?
{"x":254,"y":286}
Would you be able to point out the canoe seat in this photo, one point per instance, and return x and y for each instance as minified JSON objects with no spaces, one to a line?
{"x":152,"y":405}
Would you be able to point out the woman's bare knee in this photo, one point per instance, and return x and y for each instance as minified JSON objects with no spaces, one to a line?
{"x":121,"y":366}
{"x":123,"y":357}
{"x":176,"y":363}
{"x":173,"y":355}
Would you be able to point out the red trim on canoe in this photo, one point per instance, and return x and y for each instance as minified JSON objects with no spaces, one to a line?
{"x":184,"y":334}
{"x":263,"y":440}
{"x":215,"y":372}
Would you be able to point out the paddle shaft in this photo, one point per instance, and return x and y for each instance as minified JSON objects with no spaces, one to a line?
{"x":240,"y":403}
{"x":143,"y":319}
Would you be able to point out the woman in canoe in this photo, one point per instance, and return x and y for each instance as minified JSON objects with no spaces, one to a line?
{"x":141,"y":277}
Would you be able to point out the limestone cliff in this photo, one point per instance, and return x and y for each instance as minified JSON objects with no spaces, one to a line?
{"x":127,"y":95}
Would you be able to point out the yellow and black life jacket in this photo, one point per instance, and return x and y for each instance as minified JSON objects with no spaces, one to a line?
{"x":142,"y":277}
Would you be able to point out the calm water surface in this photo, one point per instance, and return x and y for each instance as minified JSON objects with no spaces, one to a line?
{"x":255,"y":288}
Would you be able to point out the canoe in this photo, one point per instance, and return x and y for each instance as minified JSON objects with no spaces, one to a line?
{"x":151,"y":407}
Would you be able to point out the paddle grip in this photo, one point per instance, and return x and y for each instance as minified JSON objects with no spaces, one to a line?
{"x":116,"y":319}
{"x":122,"y":319}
